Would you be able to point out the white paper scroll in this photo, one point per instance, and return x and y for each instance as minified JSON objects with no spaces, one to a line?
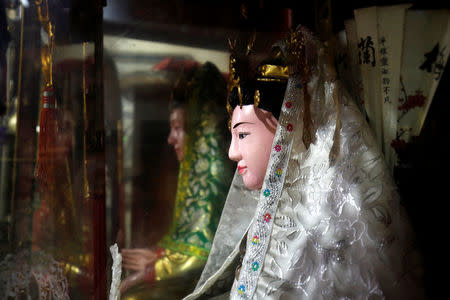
{"x":400,"y":55}
{"x":391,"y":21}
{"x":368,"y":59}
{"x":357,"y":90}
{"x":426,"y":49}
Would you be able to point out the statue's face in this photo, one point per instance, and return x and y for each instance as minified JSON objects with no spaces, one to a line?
{"x":252,"y":133}
{"x":177,"y":133}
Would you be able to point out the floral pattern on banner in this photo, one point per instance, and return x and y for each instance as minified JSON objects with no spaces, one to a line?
{"x":407,"y":103}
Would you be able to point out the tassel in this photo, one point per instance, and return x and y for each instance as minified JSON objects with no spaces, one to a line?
{"x":48,"y":130}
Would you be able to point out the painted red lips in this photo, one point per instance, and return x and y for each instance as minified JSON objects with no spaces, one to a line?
{"x":241,"y":169}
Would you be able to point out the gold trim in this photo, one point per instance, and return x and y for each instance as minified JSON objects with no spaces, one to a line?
{"x":175,"y":265}
{"x":185,"y":248}
{"x":257,"y":98}
{"x":234,"y":79}
{"x":272,"y":71}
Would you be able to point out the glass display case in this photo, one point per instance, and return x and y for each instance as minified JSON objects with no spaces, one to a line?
{"x":53,"y":150}
{"x":90,"y":148}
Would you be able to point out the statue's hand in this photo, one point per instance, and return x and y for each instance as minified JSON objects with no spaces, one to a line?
{"x":137,"y":259}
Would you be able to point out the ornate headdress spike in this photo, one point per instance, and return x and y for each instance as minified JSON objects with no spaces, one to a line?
{"x":296,"y":53}
{"x":234,"y":78}
{"x":300,"y":51}
{"x":262,"y":84}
{"x":239,"y":60}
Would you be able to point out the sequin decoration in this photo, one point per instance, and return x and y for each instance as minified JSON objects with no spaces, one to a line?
{"x":279,"y":172}
{"x":278,"y":148}
{"x":255,"y":240}
{"x":266,"y":192}
{"x":267,"y":217}
{"x":241,"y":289}
{"x":255,"y":266}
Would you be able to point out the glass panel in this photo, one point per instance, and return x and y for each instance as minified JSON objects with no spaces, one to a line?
{"x":158,"y":77}
{"x":52,"y":151}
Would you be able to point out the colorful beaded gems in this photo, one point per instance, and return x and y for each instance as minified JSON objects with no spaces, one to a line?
{"x":267,"y":217}
{"x":289,"y":127}
{"x":255,"y":240}
{"x":279,"y":172}
{"x":278,"y":148}
{"x":288,"y":104}
{"x":241,"y":289}
{"x":255,"y":266}
{"x":266,"y":192}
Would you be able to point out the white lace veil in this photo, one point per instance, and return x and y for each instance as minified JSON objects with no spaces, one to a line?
{"x":327,"y":222}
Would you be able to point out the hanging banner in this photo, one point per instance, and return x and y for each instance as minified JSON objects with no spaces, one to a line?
{"x":352,"y":49}
{"x":390,"y":40}
{"x":368,"y":60}
{"x":426,"y":48}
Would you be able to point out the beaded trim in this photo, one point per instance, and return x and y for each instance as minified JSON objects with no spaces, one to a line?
{"x":261,"y":228}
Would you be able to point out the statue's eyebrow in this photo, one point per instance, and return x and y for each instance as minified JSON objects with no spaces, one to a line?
{"x":240,"y":123}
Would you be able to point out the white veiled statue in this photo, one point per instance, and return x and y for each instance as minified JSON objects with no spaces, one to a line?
{"x":325,"y":222}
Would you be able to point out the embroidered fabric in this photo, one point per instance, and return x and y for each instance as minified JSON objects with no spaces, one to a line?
{"x":236,"y":217}
{"x":204,"y":172}
{"x":18,"y":271}
{"x":331,"y":230}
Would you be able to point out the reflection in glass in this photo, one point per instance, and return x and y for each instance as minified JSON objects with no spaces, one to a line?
{"x":51,"y":158}
{"x":198,"y":126}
